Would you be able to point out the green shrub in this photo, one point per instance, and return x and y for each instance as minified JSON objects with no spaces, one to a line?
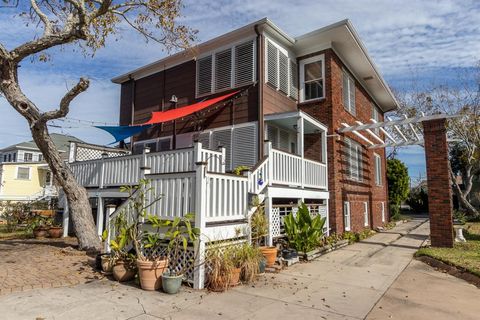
{"x":350,"y":236}
{"x":304,"y":233}
{"x":418,"y":200}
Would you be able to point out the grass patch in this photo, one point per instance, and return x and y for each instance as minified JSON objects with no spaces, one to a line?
{"x":19,"y":233}
{"x":465,"y":256}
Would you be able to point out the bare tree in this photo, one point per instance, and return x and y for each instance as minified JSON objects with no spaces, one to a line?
{"x":87,"y":23}
{"x":459,"y":97}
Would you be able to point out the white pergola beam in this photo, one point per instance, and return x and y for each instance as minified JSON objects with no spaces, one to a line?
{"x":361,"y":136}
{"x":371,"y":133}
{"x":412,"y":128}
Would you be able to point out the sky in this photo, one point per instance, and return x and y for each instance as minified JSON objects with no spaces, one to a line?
{"x":409,"y":41}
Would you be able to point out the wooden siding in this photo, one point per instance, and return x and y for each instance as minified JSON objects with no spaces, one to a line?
{"x":276,"y":102}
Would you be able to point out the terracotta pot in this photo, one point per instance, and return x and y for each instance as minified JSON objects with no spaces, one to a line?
{"x":107,"y":264}
{"x":40,"y":232}
{"x":235,"y":277}
{"x":55,"y":232}
{"x":150,"y":273}
{"x":270,"y":254}
{"x":121,"y":273}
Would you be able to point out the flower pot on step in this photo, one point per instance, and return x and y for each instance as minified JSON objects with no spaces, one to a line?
{"x":107,"y":264}
{"x":150,"y":273}
{"x":121,"y":272}
{"x":171,"y":284}
{"x":40,"y":232}
{"x":270,"y":254}
{"x":55,"y":232}
{"x":235,"y":277}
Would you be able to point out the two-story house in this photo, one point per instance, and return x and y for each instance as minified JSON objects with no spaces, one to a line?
{"x":293,"y":87}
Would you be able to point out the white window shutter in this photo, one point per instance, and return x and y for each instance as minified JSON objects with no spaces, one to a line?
{"x":284,"y":143}
{"x":243,"y":153}
{"x":345,"y":93}
{"x":351,"y":89}
{"x":272,"y":64}
{"x":223,"y":138}
{"x":244,"y":63}
{"x":204,"y":75}
{"x":204,"y":138}
{"x":283,"y":73}
{"x":293,"y":80}
{"x":272,"y":135}
{"x":223,"y":69}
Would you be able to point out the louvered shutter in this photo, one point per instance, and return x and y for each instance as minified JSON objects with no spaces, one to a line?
{"x":284,"y":143}
{"x":164,"y":144}
{"x":283,"y":73}
{"x":351,"y":89}
{"x":244,"y":63}
{"x":138,"y":148}
{"x":359,"y":162}
{"x":348,"y":157}
{"x":272,"y":64}
{"x":204,"y":75}
{"x":223,"y":69}
{"x":244,"y":138}
{"x":345,"y":90}
{"x":293,"y":80}
{"x":204,"y":138}
{"x":152,"y":146}
{"x":223,"y":138}
{"x":272,"y":135}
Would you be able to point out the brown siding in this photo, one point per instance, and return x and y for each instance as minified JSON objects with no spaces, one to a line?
{"x":126,"y":103}
{"x":276,"y":102}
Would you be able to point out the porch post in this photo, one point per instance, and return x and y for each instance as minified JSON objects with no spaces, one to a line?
{"x":66,"y":218}
{"x":300,"y":139}
{"x":222,"y":160}
{"x":268,"y":153}
{"x":110,"y":210}
{"x":200,"y":214}
{"x":100,"y":215}
{"x":268,"y":212}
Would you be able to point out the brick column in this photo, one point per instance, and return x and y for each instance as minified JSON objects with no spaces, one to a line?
{"x":439,"y":184}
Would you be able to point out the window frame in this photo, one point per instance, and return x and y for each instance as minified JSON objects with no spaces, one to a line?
{"x":366,"y":219}
{"x":350,"y":80}
{"x":350,"y":145}
{"x":376,"y":117}
{"x":382,"y":208}
{"x":25,"y":159}
{"x":29,"y":173}
{"x":302,"y":63}
{"x":347,"y":217}
{"x":377,"y":169}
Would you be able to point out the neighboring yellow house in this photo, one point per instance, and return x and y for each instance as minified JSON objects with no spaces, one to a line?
{"x":24,"y":176}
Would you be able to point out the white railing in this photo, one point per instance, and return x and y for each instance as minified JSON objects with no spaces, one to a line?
{"x":126,"y":170}
{"x":259,"y":178}
{"x":287,"y":168}
{"x":315,"y":174}
{"x":226,"y":197}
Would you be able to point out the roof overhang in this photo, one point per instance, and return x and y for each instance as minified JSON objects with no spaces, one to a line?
{"x":345,"y":41}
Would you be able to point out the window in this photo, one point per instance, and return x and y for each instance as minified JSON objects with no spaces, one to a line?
{"x":23,"y":173}
{"x":40,"y":157}
{"x":165,"y":144}
{"x":281,"y":139}
{"x":27,"y":157}
{"x":281,"y":70}
{"x":15,"y":157}
{"x":378,"y":169}
{"x":382,"y":208}
{"x":346,"y":216}
{"x":353,"y":152}
{"x":4,"y":158}
{"x":311,"y":76}
{"x":365,"y":214}
{"x":48,"y":178}
{"x":348,"y":92}
{"x":225,"y":69}
{"x":9,"y":157}
{"x":375,"y":116}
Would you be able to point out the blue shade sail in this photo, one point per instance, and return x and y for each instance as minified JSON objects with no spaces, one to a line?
{"x":123,"y":132}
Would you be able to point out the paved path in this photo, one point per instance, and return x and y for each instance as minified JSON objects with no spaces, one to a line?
{"x":345,"y":284}
{"x":28,"y":264}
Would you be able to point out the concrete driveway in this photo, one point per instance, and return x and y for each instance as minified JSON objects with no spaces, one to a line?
{"x":346,"y":284}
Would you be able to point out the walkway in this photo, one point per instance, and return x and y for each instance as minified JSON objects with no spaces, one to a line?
{"x":27,"y":264}
{"x":345,"y":284}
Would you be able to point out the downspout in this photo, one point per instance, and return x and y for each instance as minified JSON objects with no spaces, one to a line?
{"x":260,"y":58}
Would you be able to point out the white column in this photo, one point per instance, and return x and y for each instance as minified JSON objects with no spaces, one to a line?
{"x":110,"y":210}
{"x":66,"y":217}
{"x":327,"y":220}
{"x":300,"y":146}
{"x":100,"y":215}
{"x":223,"y":160}
{"x":268,"y":153}
{"x":200,"y":214}
{"x":268,"y":212}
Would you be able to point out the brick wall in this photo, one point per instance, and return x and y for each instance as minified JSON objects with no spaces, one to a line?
{"x":331,"y":112}
{"x":439,"y":185}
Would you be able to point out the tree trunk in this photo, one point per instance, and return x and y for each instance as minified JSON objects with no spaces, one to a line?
{"x":77,"y":197}
{"x":462,"y":197}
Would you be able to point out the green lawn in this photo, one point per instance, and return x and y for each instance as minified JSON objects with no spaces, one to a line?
{"x":20,"y":233}
{"x":464,"y":255}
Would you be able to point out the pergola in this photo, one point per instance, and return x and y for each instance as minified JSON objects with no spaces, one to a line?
{"x":430,"y":132}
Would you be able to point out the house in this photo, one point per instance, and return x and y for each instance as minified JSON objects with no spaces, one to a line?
{"x":291,"y":98}
{"x":24,"y":175}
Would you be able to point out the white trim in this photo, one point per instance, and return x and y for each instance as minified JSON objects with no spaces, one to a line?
{"x":382,"y":207}
{"x":365,"y":214}
{"x":377,"y":171}
{"x":347,"y":216}
{"x":289,"y":192}
{"x":302,"y":63}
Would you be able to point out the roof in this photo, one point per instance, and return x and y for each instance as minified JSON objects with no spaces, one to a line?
{"x":60,"y":140}
{"x":340,"y":36}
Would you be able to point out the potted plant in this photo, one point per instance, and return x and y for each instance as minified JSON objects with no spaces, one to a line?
{"x":237,"y":256}
{"x":39,"y":226}
{"x":219,"y":267}
{"x":259,"y":230}
{"x":55,"y":230}
{"x":251,"y":259}
{"x":304,"y":233}
{"x":122,"y":260}
{"x":179,"y":233}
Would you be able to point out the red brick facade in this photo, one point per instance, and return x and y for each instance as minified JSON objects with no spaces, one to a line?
{"x":331,"y":112}
{"x":439,"y":192}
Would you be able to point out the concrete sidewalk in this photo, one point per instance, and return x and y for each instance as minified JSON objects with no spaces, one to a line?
{"x":344,"y":284}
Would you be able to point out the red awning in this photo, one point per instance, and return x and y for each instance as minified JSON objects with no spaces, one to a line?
{"x":172,"y":114}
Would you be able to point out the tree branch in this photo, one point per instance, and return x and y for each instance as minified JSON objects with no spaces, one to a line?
{"x":80,"y":87}
{"x":43,"y":17}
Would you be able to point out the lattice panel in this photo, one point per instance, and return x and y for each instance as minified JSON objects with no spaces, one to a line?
{"x":83,"y":153}
{"x":276,"y":223}
{"x":187,"y":259}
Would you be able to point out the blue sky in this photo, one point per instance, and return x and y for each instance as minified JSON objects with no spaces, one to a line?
{"x":422,"y":40}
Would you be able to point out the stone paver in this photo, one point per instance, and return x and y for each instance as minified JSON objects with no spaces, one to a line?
{"x":30,"y":264}
{"x":344,"y":284}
